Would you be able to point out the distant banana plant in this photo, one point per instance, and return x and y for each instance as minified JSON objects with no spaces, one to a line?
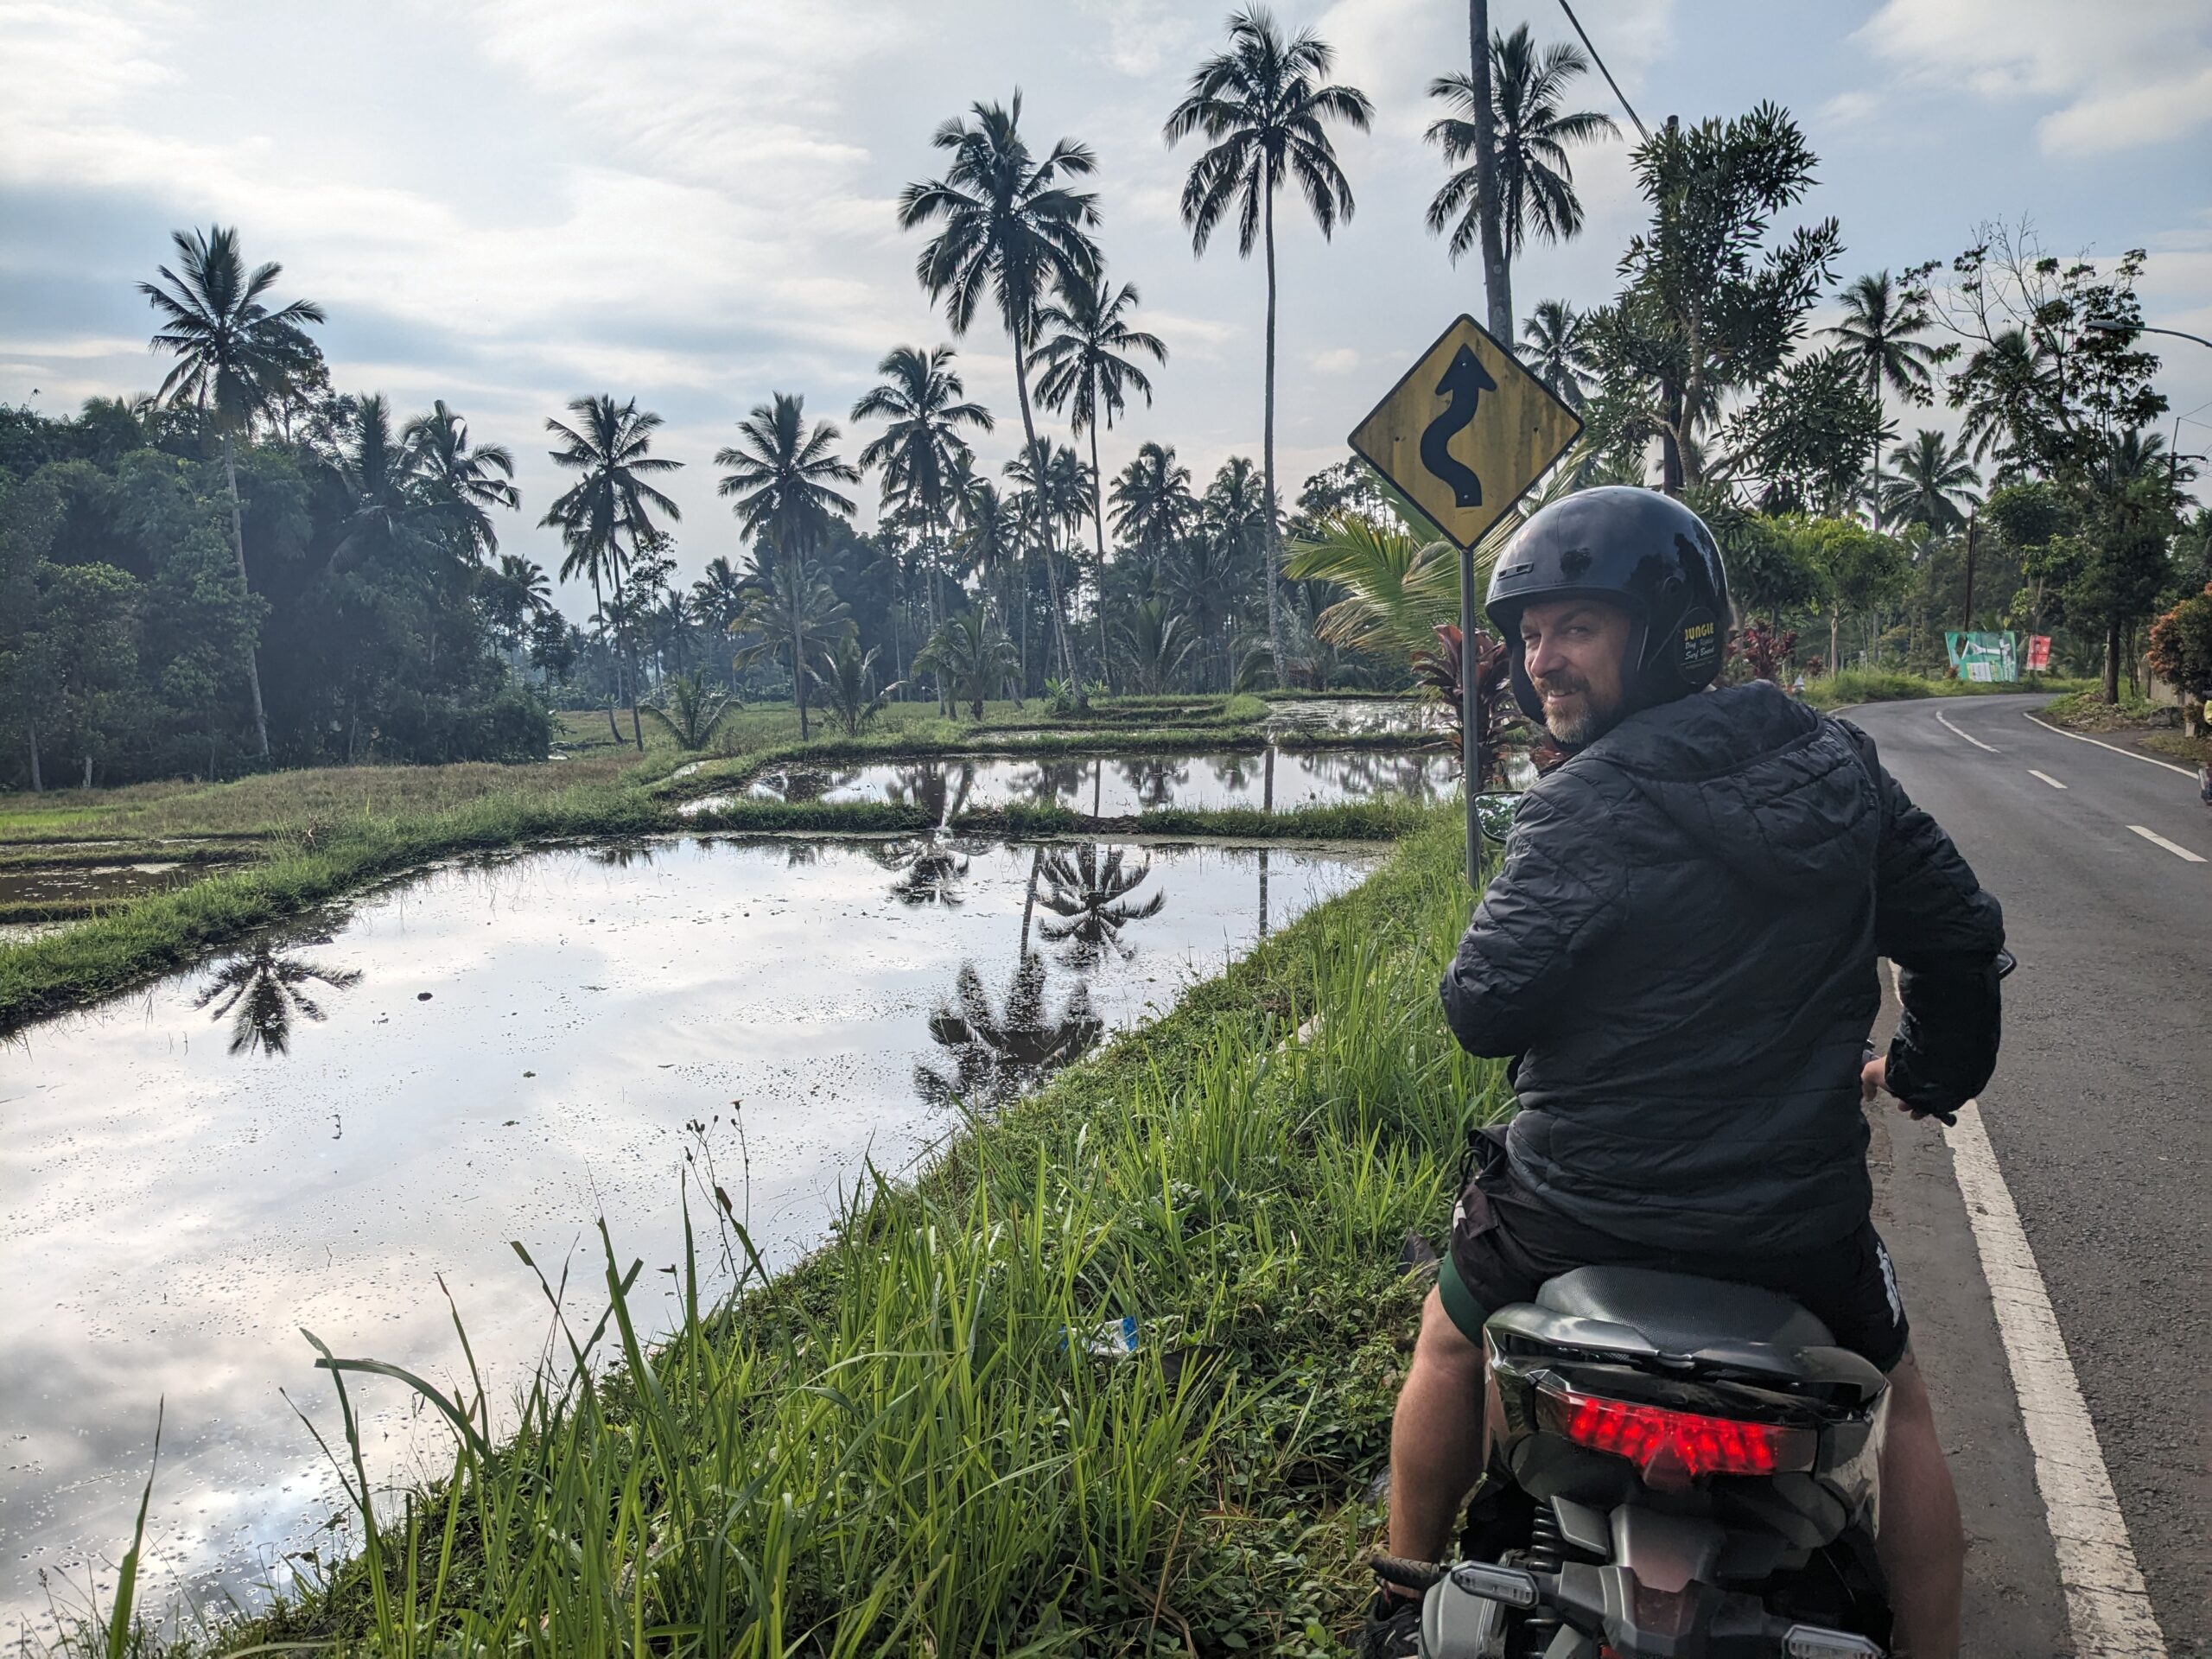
{"x":849,"y":685}
{"x":691,"y":709}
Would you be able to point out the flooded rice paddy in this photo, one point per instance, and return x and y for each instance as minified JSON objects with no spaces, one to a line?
{"x":316,"y":1129}
{"x":1267,"y":780}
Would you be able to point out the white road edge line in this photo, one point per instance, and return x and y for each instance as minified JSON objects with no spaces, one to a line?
{"x":2106,"y":1602}
{"x":1969,"y":736}
{"x":2114,"y":747}
{"x":2046,"y":776}
{"x":2107,"y":1606}
{"x":2173,"y":847}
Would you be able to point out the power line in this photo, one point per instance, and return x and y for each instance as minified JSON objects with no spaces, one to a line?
{"x":1602,"y":70}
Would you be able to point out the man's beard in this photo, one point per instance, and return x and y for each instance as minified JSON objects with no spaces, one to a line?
{"x":1588,"y":724}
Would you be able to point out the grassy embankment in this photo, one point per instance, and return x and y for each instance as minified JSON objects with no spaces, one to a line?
{"x":263,"y":847}
{"x":1852,"y":685}
{"x":905,"y":1444}
{"x":2131,"y":721}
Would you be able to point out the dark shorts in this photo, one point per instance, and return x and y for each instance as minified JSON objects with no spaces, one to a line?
{"x":1506,"y":1243}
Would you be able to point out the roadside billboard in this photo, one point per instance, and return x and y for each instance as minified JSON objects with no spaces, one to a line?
{"x":2038,"y":653}
{"x":1985,"y":657}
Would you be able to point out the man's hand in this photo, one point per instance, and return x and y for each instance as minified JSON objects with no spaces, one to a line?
{"x":1874,"y":1078}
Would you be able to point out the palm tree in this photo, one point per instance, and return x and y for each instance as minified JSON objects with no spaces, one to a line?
{"x":2015,"y":374}
{"x":1261,"y":105}
{"x":1153,"y":503}
{"x":1934,"y":480}
{"x":1879,"y":323}
{"x":263,"y":992}
{"x":926,"y":463}
{"x":1089,"y":890}
{"x":1531,"y":133}
{"x":235,"y":357}
{"x":792,"y":607}
{"x":974,"y":655}
{"x":1556,"y":349}
{"x":606,"y":514}
{"x":1207,"y":582}
{"x":1157,"y":643}
{"x":1013,"y":227}
{"x":996,"y":1054}
{"x":782,"y":475}
{"x":718,"y":597}
{"x":382,"y":505}
{"x":1086,"y":357}
{"x":847,"y":677}
{"x":691,"y":710}
{"x":462,"y":480}
{"x":1399,"y":589}
{"x":1053,"y":504}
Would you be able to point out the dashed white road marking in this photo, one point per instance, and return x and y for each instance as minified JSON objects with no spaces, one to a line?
{"x":2173,"y":847}
{"x":2046,"y":776}
{"x":2106,"y":1602}
{"x":1969,"y":736}
{"x":2079,"y":738}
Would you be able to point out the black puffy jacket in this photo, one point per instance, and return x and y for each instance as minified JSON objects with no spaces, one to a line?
{"x":1679,"y":949}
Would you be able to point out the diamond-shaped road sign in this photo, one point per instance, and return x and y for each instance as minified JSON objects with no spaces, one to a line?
{"x":1467,"y":432}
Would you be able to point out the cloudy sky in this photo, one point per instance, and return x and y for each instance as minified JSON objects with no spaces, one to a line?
{"x":507,"y":205}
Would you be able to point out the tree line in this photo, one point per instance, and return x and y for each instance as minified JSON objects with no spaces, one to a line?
{"x":250,"y":567}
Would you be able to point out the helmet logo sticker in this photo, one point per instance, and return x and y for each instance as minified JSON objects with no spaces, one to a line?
{"x":1700,"y":641}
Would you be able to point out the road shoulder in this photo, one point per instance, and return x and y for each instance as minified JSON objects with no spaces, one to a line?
{"x":2014,"y":1606}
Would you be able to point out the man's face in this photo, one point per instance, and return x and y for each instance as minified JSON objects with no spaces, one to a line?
{"x":1575,"y":650}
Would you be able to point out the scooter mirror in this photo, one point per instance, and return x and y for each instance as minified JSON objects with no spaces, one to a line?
{"x":1494,"y":810}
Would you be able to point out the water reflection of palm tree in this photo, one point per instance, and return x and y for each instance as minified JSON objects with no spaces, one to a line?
{"x":929,"y":870}
{"x":939,"y":788}
{"x":997,"y":1053}
{"x":621,"y":855}
{"x":1089,"y":888}
{"x":263,"y":992}
{"x":801,"y":783}
{"x":1154,"y":779}
{"x":1047,"y":783}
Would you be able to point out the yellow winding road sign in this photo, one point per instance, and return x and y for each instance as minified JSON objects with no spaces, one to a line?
{"x":1467,"y":432}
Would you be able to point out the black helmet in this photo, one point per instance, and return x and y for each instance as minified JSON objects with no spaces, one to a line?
{"x":1638,"y":549}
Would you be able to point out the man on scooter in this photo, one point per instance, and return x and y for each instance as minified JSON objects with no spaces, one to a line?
{"x":1679,"y":952}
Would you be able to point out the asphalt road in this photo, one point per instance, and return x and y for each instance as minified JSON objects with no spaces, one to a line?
{"x":2098,"y":1117}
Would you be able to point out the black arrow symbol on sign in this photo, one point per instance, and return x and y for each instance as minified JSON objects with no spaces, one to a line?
{"x":1463,"y":383}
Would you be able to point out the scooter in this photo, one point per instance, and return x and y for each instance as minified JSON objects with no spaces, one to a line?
{"x":1682,"y":1469}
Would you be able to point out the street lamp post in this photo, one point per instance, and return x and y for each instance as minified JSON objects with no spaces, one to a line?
{"x":2116,"y":326}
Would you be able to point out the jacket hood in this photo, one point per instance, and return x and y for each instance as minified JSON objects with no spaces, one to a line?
{"x":1770,"y":788}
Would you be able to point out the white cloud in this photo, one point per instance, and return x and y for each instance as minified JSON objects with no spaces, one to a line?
{"x":2123,"y":75}
{"x":1340,"y":359}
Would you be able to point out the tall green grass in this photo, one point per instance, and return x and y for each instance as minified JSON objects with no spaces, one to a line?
{"x":906,"y":1445}
{"x":1852,"y":685}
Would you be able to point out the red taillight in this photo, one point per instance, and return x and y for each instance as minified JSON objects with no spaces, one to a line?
{"x":1673,"y":1447}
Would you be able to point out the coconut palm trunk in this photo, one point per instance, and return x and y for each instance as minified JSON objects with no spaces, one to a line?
{"x":238,"y":547}
{"x":799,"y":669}
{"x":1098,"y":522}
{"x":1268,"y":459}
{"x":1044,"y":528}
{"x":1498,"y":289}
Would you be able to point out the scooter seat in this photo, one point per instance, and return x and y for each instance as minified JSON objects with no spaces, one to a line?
{"x":1680,"y":1313}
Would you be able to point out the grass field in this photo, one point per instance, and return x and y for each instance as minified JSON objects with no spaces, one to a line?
{"x":913,"y":1443}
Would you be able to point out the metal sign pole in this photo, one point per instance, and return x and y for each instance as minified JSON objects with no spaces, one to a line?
{"x":1470,"y":725}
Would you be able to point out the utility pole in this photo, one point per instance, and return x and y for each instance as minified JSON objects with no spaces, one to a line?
{"x":1966,"y":623}
{"x":1497,"y":284}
